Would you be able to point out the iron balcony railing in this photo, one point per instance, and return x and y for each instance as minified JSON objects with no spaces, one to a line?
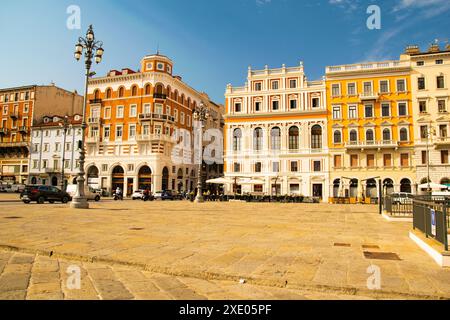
{"x":23,"y":129}
{"x":95,"y":101}
{"x":372,"y":144}
{"x":155,"y":116}
{"x":161,"y":96}
{"x":369,"y":95}
{"x":14,"y":115}
{"x":94,"y":121}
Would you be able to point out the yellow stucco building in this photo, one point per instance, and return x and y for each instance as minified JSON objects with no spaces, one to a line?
{"x":370,"y":125}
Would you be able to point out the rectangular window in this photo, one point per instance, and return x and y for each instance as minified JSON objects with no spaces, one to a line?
{"x":402,"y":109}
{"x":404,"y":160}
{"x":182,"y":120}
{"x":132,"y":131}
{"x":107,"y":112}
{"x":317,"y":166}
{"x":258,"y":86}
{"x":384,"y":86}
{"x":237,"y":167}
{"x":401,"y":85}
{"x":258,"y":167}
{"x":130,"y":167}
{"x":147,"y":108}
{"x":368,"y":88}
{"x":133,"y":111}
{"x":119,"y":112}
{"x":441,"y":106}
{"x":422,"y":106}
{"x":423,"y":132}
{"x":66,"y":164}
{"x":275,"y":105}
{"x":444,"y":156}
{"x":292,"y":83}
{"x":439,"y":61}
{"x":354,"y":160}
{"x":294,"y":166}
{"x":443,"y":131}
{"x":275,"y":85}
{"x":387,"y":160}
{"x":237,"y":107}
{"x":146,"y":129}
{"x":104,"y":167}
{"x":57,"y":147}
{"x":257,"y":106}
{"x":119,"y":132}
{"x":276,"y":167}
{"x":106,"y":132}
{"x":337,"y":112}
{"x":421,"y":83}
{"x":353,"y":112}
{"x":158,"y":108}
{"x":293,"y":104}
{"x":440,"y":82}
{"x":44,"y":164}
{"x":35,"y":164}
{"x":351,"y":89}
{"x":335,"y":90}
{"x":338,"y":161}
{"x":385,"y":110}
{"x":175,"y":115}
{"x":424,"y":157}
{"x":370,"y":160}
{"x":315,"y":102}
{"x":368,"y":111}
{"x":420,"y":63}
{"x":68,"y":146}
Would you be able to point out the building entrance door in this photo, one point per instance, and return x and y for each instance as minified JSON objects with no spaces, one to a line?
{"x":318,"y":190}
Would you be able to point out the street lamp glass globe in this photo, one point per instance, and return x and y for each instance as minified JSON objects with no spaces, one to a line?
{"x":77,"y":55}
{"x":98,"y":59}
{"x":90,"y":35}
{"x":100,"y":52}
{"x":79,"y":47}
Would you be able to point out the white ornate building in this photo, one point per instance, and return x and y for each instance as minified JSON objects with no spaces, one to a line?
{"x":276,"y":134}
{"x":51,"y":151}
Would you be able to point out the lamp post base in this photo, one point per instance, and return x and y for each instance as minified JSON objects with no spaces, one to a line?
{"x":79,"y":203}
{"x":199,"y":199}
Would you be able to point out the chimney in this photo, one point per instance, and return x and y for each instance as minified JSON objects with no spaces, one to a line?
{"x":434,"y":48}
{"x":412,"y":49}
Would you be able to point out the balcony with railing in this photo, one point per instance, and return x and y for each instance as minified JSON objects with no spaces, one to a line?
{"x":95,"y":101}
{"x":155,"y":116}
{"x":94,"y":121}
{"x":369,"y":95}
{"x":23,"y":129}
{"x":14,"y":144}
{"x":93,"y":140}
{"x":52,"y":170}
{"x":363,"y":67}
{"x":160,"y":96}
{"x":442,"y":141}
{"x":371,"y":144}
{"x":14,"y":115}
{"x":3,"y":131}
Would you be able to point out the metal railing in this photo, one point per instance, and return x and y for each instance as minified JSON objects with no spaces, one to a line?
{"x":432,"y":218}
{"x":398,"y":206}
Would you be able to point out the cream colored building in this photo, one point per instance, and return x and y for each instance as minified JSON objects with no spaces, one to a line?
{"x":431,"y":105}
{"x":276,"y":134}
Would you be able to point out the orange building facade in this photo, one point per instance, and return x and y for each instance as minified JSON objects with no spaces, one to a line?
{"x":132,"y":117}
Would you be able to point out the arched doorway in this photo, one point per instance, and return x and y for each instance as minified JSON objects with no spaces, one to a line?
{"x":145,"y":178}
{"x":405,"y":186}
{"x":336,"y":188}
{"x":354,"y":188}
{"x":388,"y":186}
{"x":371,"y":188}
{"x":54,"y":181}
{"x":165,"y":179}
{"x":118,"y":175}
{"x":180,"y":180}
{"x":93,"y":177}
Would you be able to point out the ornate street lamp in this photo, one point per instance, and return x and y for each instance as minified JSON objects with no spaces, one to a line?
{"x":65,"y":125}
{"x":431,"y":132}
{"x":201,"y":114}
{"x":92,"y":50}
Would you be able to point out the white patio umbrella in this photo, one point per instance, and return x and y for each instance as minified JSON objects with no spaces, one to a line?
{"x":220,"y":181}
{"x":250,"y":181}
{"x":433,"y":186}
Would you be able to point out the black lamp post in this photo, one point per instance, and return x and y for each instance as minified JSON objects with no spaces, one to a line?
{"x":92,"y":50}
{"x":201,"y":114}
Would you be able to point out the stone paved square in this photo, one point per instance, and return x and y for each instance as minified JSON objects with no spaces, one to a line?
{"x":181,"y":250}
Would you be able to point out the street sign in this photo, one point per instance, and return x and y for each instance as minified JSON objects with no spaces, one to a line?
{"x":433,"y":222}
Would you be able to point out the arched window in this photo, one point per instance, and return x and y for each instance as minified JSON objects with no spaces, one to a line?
{"x":159,"y":89}
{"x":121,"y":92}
{"x":108,"y":93}
{"x":337,"y":136}
{"x":386,"y":134}
{"x":134,"y":91}
{"x":316,"y":137}
{"x":237,"y":136}
{"x":369,"y":135}
{"x":96,"y":94}
{"x":275,"y":138}
{"x":403,"y":134}
{"x":258,"y":139}
{"x":175,"y":95}
{"x":147,"y":90}
{"x":353,"y":136}
{"x":405,"y":185}
{"x":293,"y":138}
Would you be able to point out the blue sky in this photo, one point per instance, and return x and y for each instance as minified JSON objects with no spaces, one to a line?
{"x":212,"y":42}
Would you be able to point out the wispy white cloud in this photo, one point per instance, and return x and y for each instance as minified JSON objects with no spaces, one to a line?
{"x":429,"y":8}
{"x":347,"y":5}
{"x":263,"y":2}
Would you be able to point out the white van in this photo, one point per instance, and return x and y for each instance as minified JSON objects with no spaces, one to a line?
{"x":88,"y":191}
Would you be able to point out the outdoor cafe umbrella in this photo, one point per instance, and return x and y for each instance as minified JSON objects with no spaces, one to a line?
{"x":219,"y":181}
{"x":433,"y":186}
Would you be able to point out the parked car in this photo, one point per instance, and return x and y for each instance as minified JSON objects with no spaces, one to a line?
{"x":164,"y":195}
{"x":401,"y":198}
{"x":138,"y":195}
{"x":88,"y":191}
{"x":41,"y":194}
